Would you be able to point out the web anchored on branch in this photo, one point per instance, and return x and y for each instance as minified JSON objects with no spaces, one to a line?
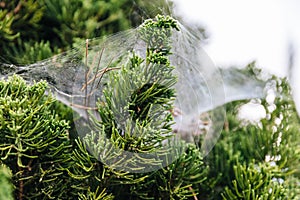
{"x":127,"y":71}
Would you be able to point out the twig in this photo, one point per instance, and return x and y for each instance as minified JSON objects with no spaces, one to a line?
{"x":21,"y":187}
{"x":226,"y":126}
{"x":18,"y":7}
{"x":87,"y":71}
{"x":98,"y":66}
{"x":83,"y":107}
{"x":194,"y":194}
{"x":100,"y":74}
{"x":103,"y":73}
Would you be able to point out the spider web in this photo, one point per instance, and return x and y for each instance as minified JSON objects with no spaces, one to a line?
{"x":77,"y":77}
{"x":201,"y":85}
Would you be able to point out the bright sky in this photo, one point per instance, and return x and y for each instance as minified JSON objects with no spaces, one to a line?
{"x":243,"y":31}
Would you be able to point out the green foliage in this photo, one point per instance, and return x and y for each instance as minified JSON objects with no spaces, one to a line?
{"x":89,"y":178}
{"x":53,"y":26}
{"x":42,"y":158}
{"x":35,"y":145}
{"x":95,"y":196}
{"x":6,"y":189}
{"x":33,"y":51}
{"x":33,"y":141}
{"x":138,"y":97}
{"x":135,"y":117}
{"x":71,"y":19}
{"x":46,"y":163}
{"x":179,"y":180}
{"x":247,"y":153}
{"x":256,"y":182}
{"x":6,"y":31}
{"x":21,"y":15}
{"x":20,"y":25}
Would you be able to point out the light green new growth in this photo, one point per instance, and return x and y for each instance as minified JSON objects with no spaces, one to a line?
{"x":138,"y":99}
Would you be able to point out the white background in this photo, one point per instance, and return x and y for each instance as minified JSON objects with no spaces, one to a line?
{"x":248,"y":30}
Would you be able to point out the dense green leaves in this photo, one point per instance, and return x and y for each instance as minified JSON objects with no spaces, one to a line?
{"x":139,"y":96}
{"x":258,"y":160}
{"x":42,"y":158}
{"x":256,"y":182}
{"x":60,"y":23}
{"x":33,"y":141}
{"x":35,"y":144}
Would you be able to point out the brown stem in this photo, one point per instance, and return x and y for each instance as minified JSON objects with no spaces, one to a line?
{"x":18,"y":7}
{"x":226,"y":126}
{"x":194,"y":194}
{"x":29,"y":165}
{"x":2,"y":4}
{"x":21,"y":187}
{"x":101,"y":72}
{"x":21,"y":190}
{"x":83,"y":107}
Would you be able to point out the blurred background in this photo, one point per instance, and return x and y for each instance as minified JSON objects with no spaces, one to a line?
{"x":239,"y":32}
